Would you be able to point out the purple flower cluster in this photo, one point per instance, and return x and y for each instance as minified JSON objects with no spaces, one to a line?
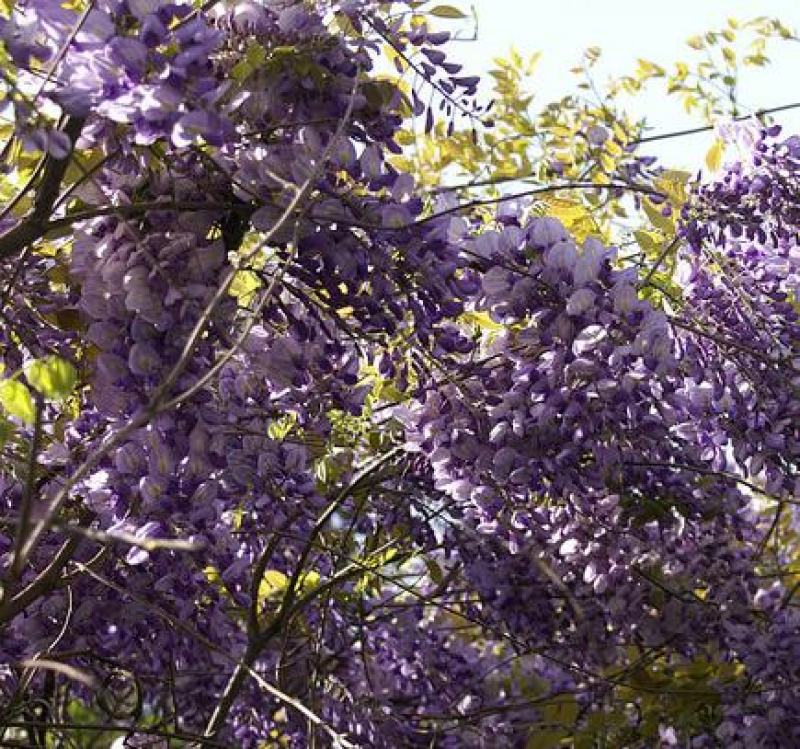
{"x":571,"y":452}
{"x":144,"y":64}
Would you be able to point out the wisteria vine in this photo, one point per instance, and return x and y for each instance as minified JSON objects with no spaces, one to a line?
{"x":295,"y":455}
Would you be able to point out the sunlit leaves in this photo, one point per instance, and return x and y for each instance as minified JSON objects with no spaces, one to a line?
{"x":647,"y":69}
{"x":279,"y":429}
{"x":673,"y":183}
{"x":660,"y":218}
{"x":557,"y":723}
{"x":714,"y":155}
{"x":244,"y":286}
{"x":16,"y":400}
{"x":649,"y":242}
{"x":372,"y":564}
{"x":274,"y":586}
{"x":254,"y":57}
{"x":574,"y":214}
{"x":708,"y":84}
{"x":482,"y":321}
{"x":53,"y":377}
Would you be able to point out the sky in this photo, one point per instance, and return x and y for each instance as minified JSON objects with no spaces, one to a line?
{"x":626,"y":30}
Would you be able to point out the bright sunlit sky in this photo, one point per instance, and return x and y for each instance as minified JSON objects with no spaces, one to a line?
{"x":626,"y":30}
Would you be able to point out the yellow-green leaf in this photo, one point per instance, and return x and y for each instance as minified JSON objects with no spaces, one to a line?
{"x":281,"y":427}
{"x":673,"y":183}
{"x":665,"y":223}
{"x":244,"y":286}
{"x":647,"y":242}
{"x":481,"y":320}
{"x":17,"y":400}
{"x":52,"y":376}
{"x":729,"y":55}
{"x":714,"y":155}
{"x":255,"y":56}
{"x":562,"y":711}
{"x":435,"y":571}
{"x":272,"y":584}
{"x":308,"y":581}
{"x":447,"y":11}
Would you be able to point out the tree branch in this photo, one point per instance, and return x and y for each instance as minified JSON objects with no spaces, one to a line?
{"x":35,"y":225}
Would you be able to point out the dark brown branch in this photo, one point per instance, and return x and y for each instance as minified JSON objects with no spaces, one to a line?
{"x":34,"y":226}
{"x":44,"y":582}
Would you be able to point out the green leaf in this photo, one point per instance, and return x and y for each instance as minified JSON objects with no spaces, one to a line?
{"x":558,"y":718}
{"x":562,"y":711}
{"x":52,"y":376}
{"x":481,"y":320}
{"x":649,"y":245}
{"x":255,"y":56}
{"x":16,"y":399}
{"x":673,"y":182}
{"x":370,"y":563}
{"x":648,"y":69}
{"x":435,"y":571}
{"x":447,"y":11}
{"x":665,"y":223}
